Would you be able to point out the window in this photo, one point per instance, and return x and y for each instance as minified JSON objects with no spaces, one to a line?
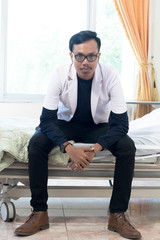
{"x":34,"y":41}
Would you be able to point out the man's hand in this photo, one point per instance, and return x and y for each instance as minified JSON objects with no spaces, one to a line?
{"x":80,"y":157}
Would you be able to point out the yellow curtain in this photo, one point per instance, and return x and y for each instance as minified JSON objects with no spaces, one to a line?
{"x":134,"y":17}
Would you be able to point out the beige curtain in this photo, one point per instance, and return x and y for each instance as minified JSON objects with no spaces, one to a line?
{"x":134,"y":17}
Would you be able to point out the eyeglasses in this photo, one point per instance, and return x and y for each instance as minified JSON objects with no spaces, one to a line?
{"x":80,"y":57}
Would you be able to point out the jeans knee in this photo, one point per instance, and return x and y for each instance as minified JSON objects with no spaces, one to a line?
{"x":38,"y":143}
{"x":126,"y":146}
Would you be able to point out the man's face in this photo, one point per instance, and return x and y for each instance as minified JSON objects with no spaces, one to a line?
{"x":85,"y":69}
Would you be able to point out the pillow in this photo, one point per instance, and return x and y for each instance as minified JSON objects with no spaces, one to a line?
{"x":145,"y":132}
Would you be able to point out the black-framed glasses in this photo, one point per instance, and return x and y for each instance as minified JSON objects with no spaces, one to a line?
{"x":90,"y":57}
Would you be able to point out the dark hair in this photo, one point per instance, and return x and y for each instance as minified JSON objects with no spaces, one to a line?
{"x":84,"y":36}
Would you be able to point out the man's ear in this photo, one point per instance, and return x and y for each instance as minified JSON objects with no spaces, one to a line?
{"x":99,"y":55}
{"x":71,"y":55}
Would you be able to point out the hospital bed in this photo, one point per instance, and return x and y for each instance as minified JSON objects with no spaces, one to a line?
{"x":14,"y":181}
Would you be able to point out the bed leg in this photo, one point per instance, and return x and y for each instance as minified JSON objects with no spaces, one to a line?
{"x":8,"y":211}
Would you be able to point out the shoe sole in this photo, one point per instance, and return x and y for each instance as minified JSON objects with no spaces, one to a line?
{"x":44,"y":227}
{"x":113,"y":229}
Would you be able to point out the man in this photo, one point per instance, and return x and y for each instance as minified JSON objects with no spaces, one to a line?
{"x":84,"y":103}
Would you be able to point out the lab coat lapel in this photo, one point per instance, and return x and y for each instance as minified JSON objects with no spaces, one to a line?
{"x":72,"y":88}
{"x":96,"y":88}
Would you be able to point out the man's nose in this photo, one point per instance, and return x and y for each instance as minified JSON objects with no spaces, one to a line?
{"x":85,"y":61}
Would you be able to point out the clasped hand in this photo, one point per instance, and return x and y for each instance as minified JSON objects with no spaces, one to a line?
{"x":81,"y":157}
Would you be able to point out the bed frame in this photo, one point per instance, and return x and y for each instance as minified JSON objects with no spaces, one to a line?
{"x":15,"y":183}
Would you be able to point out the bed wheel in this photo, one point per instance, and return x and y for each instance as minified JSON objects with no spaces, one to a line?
{"x":8,"y":211}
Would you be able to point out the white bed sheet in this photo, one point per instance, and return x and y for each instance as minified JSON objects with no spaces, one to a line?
{"x":15,"y":134}
{"x":145,"y":132}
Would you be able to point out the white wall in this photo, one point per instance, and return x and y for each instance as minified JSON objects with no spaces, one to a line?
{"x":29,"y":110}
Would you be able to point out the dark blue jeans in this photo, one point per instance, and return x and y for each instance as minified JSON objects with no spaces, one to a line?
{"x":40,"y":146}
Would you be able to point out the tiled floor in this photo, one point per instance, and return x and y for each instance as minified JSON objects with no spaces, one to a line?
{"x":85,"y":219}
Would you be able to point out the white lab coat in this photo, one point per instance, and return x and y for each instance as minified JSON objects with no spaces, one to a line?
{"x":106,"y":93}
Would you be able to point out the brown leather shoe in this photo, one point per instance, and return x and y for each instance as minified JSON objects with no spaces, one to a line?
{"x":35,"y":222}
{"x":118,"y":222}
